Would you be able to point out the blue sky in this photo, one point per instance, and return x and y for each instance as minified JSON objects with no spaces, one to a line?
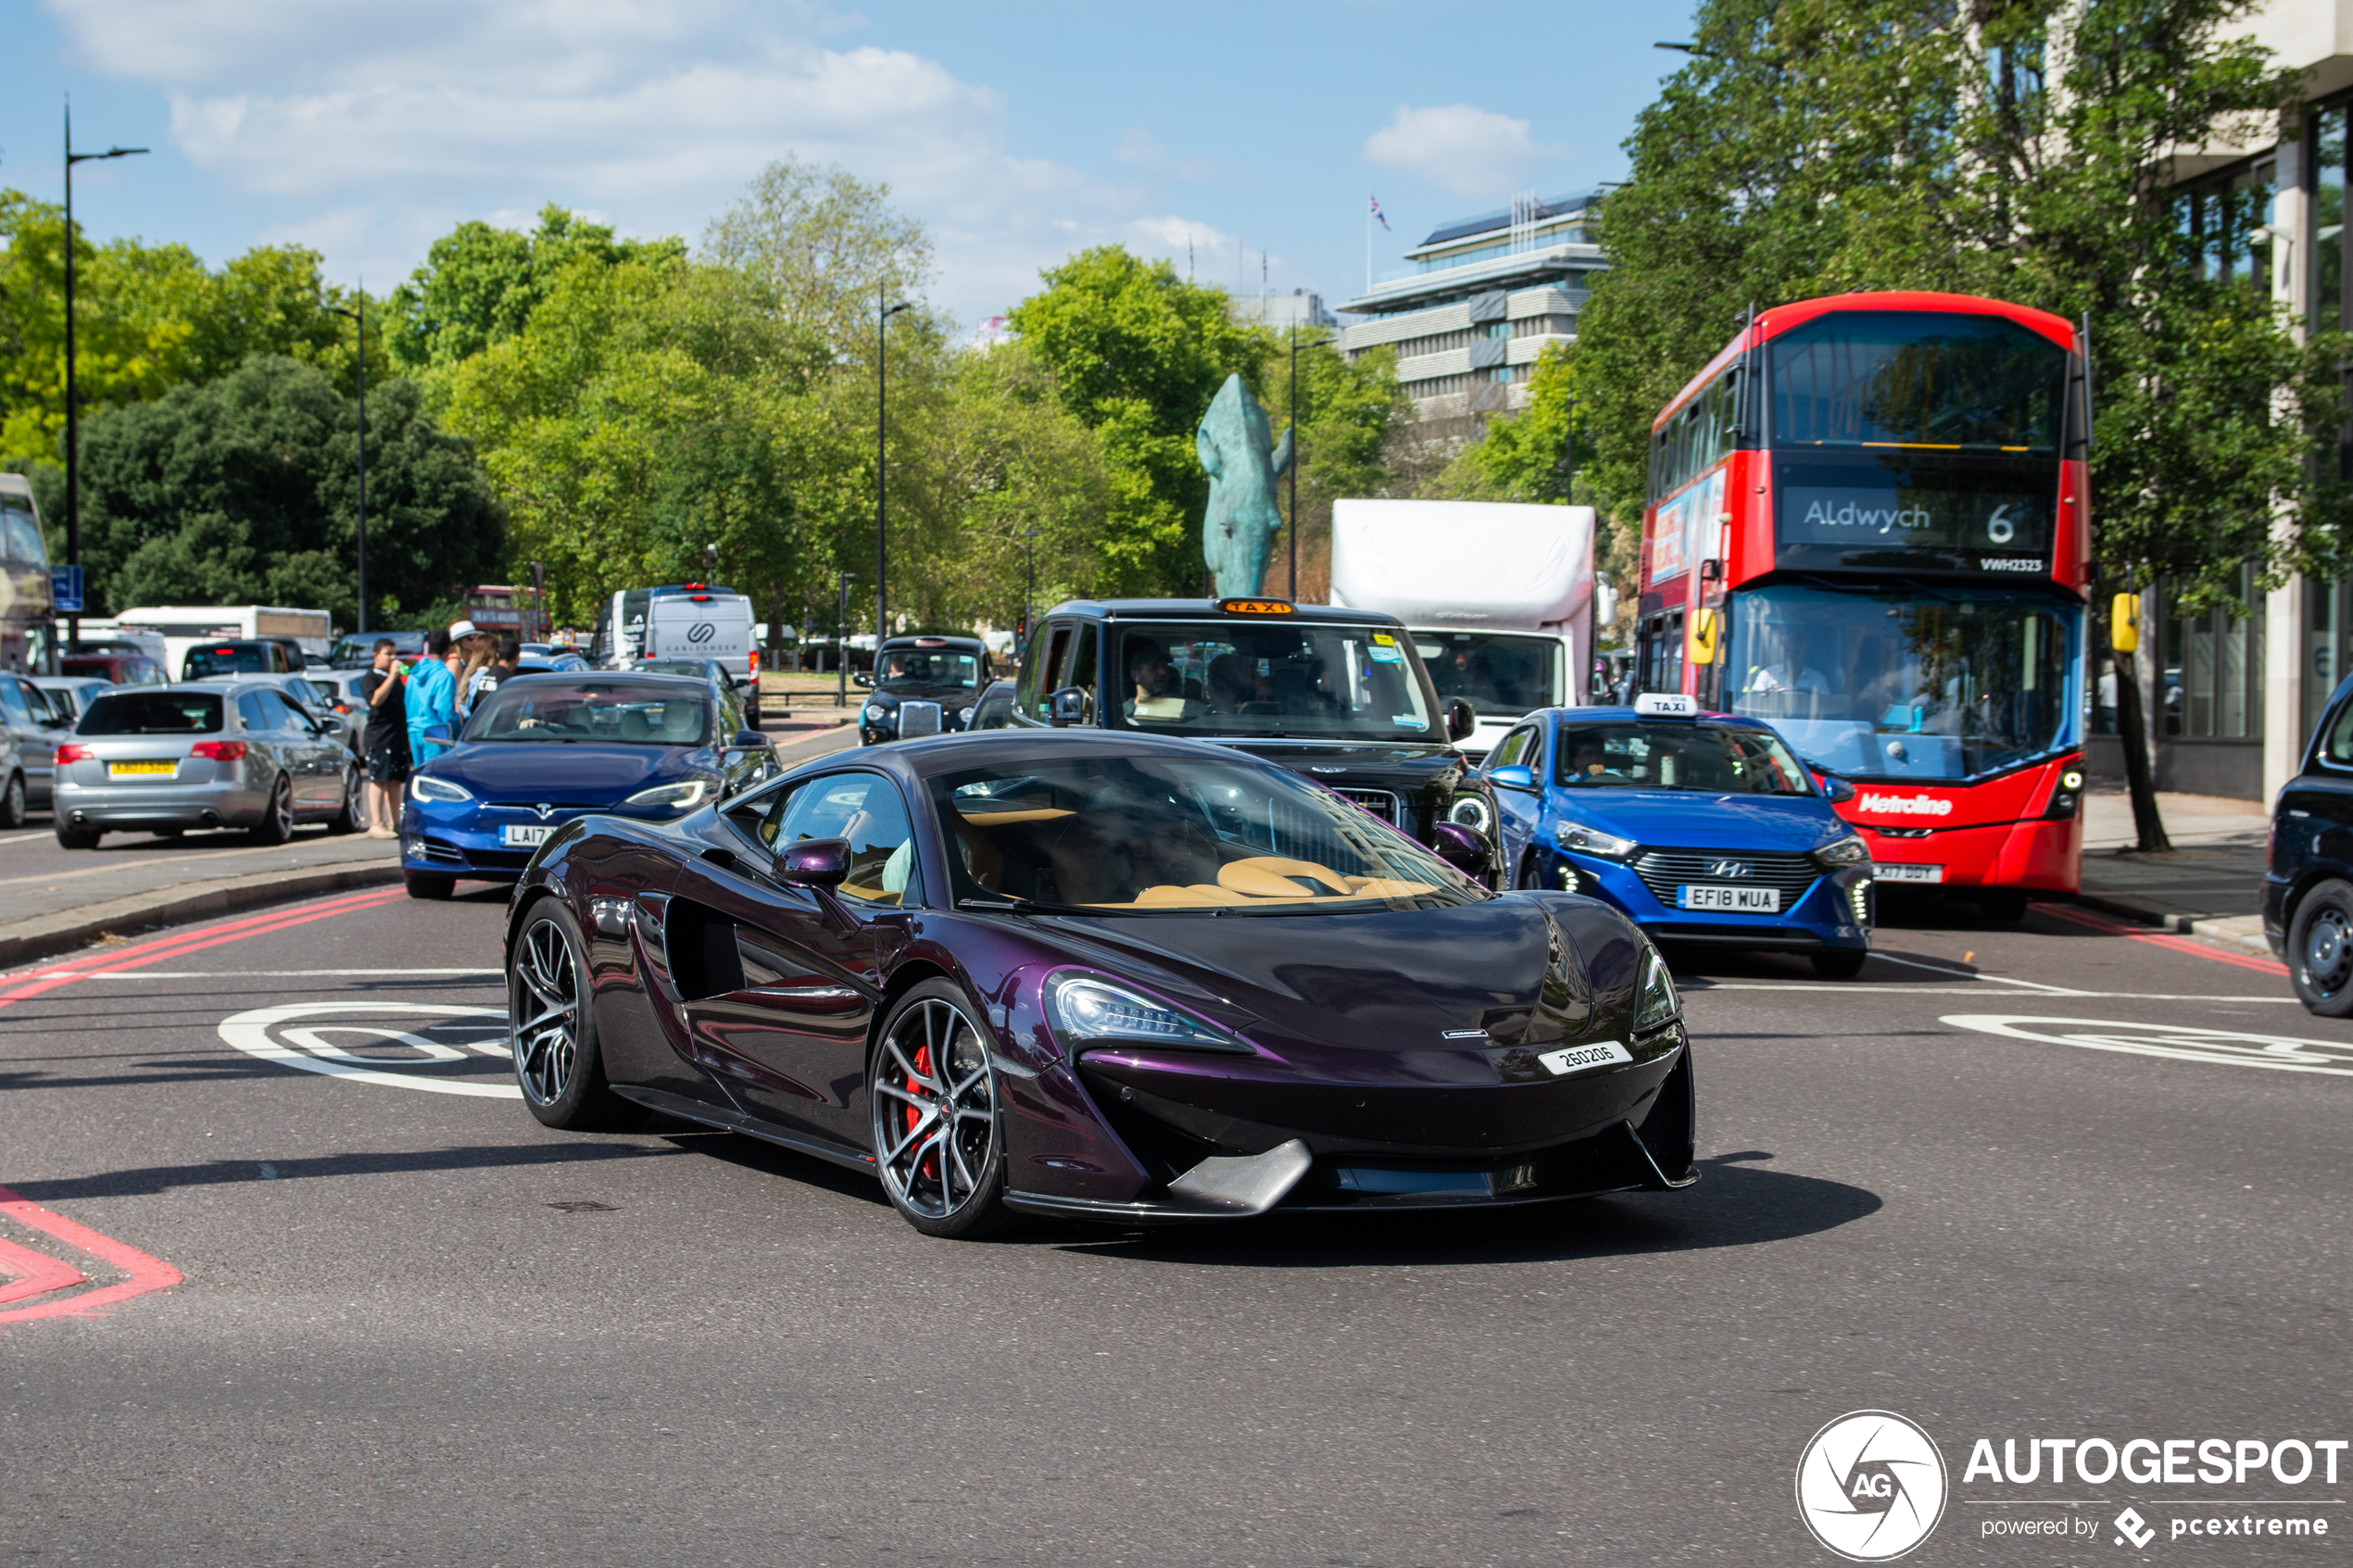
{"x":1017,"y":132}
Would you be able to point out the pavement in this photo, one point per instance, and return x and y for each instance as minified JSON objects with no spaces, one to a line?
{"x":59,"y":899}
{"x":2048,"y":1182}
{"x":2209,"y":884}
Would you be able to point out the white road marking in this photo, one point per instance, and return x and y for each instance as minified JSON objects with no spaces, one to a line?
{"x":1972,"y":974}
{"x":251,"y":1032}
{"x":259,"y":974}
{"x":1851,"y":988}
{"x":24,"y":837}
{"x":2174,"y":1042}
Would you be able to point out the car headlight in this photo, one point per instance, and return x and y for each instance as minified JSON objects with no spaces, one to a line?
{"x":1593,"y":841}
{"x":1083,"y":1007}
{"x":1471,"y":811}
{"x":1655,"y":1005}
{"x":1848,"y":851}
{"x":425,"y":786}
{"x":964,"y":715}
{"x":694,"y":792}
{"x":875,"y":712}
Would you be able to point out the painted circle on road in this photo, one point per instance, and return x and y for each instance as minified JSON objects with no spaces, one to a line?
{"x":2176,"y":1042}
{"x":442,"y":1047}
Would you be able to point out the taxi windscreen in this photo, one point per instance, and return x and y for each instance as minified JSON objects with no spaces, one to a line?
{"x":1711,"y":759}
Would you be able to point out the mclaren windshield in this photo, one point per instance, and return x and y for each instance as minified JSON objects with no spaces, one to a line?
{"x":1907,"y":687}
{"x":1277,"y":679}
{"x":1154,"y":833}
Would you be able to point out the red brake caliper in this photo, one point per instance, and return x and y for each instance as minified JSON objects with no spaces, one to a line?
{"x":922,"y":1067}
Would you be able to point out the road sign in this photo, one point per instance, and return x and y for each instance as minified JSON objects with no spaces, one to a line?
{"x":64,"y":589}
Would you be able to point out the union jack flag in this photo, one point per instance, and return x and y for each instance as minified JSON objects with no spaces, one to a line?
{"x":1378,"y":213}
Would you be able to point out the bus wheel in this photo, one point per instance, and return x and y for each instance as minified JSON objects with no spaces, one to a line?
{"x":2006,"y":904}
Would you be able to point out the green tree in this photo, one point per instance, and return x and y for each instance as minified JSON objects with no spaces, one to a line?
{"x":826,"y":246}
{"x":1821,"y":145}
{"x":243,"y":490}
{"x":1137,"y":354}
{"x":1346,"y":415}
{"x":479,"y":284}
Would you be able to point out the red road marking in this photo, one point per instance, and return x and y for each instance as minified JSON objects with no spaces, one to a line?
{"x":146,"y":1274}
{"x":2171,"y":943}
{"x":36,"y":1274}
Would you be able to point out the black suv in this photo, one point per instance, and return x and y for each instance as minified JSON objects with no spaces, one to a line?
{"x":921,"y":686}
{"x":2308,"y":888}
{"x":1339,"y":695}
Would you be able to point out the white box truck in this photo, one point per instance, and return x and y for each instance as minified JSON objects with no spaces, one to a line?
{"x":183,"y":626}
{"x":1499,"y":596}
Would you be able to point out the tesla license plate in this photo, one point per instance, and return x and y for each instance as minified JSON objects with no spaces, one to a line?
{"x":142,"y":770}
{"x":1908,"y":874}
{"x":1739,"y":900}
{"x":525,"y":835}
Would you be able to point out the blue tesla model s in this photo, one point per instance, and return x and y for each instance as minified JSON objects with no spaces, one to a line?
{"x":542,"y":749}
{"x":1702,"y":827}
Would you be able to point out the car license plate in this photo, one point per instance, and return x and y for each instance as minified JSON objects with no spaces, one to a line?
{"x":1577,"y":1058}
{"x":1908,"y":874}
{"x":140,"y":770}
{"x":1739,"y":900}
{"x":525,"y":835}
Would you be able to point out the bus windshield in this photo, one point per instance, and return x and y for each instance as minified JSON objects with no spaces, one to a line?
{"x":1505,"y":675}
{"x":1896,"y":687}
{"x":1919,"y":379}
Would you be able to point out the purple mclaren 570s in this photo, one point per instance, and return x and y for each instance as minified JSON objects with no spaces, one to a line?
{"x":1103,"y":976}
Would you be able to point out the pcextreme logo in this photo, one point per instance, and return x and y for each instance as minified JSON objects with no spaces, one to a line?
{"x":1871,"y":1485}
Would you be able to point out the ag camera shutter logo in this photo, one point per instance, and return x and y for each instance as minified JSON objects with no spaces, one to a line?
{"x":1871,"y":1486}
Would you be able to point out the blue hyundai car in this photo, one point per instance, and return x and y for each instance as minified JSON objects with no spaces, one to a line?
{"x":1703,"y":827}
{"x":540,"y":750}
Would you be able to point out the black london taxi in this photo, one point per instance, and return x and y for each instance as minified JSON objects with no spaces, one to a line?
{"x":921,"y":685}
{"x":1338,"y":696}
{"x":2308,"y":886}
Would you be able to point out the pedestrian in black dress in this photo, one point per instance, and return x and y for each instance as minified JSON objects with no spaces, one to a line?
{"x":387,"y":739}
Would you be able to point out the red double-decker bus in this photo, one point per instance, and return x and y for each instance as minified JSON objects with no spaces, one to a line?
{"x":1868,"y":526}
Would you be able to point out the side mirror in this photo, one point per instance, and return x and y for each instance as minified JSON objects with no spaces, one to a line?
{"x":1838,"y":789}
{"x":814,"y":862}
{"x":1461,"y":718}
{"x":1460,"y":848}
{"x":862,"y":679}
{"x":751,"y":740}
{"x":438,"y":735}
{"x":1512,"y":775}
{"x":1069,"y":706}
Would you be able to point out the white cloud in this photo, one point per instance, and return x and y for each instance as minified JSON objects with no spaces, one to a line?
{"x":1465,"y":150}
{"x":396,"y":119}
{"x":1139,"y":147}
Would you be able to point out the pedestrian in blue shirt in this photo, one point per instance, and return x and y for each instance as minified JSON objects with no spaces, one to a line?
{"x":432,"y":695}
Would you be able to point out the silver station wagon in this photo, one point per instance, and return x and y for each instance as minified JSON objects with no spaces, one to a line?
{"x":162,"y":760}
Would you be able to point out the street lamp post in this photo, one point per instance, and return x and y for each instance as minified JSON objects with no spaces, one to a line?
{"x":73,"y":412}
{"x":359,"y":318}
{"x":882,"y":460}
{"x":1295,"y":456}
{"x":1029,"y":578}
{"x":841,"y":647}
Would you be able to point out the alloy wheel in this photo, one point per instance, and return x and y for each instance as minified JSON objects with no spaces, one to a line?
{"x":2328,"y":950}
{"x":546,"y":1041}
{"x":282,"y":821}
{"x":935,"y":1109}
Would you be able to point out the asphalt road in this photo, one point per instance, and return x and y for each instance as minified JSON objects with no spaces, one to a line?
{"x":397,"y":1336}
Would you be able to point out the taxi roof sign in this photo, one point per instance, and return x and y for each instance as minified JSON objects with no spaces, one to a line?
{"x":1255,"y":607}
{"x":1666,"y":705}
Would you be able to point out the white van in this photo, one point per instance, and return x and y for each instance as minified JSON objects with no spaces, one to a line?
{"x":715,"y":625}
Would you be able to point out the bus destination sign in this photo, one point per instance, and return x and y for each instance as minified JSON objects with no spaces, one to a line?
{"x":1913,"y":513}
